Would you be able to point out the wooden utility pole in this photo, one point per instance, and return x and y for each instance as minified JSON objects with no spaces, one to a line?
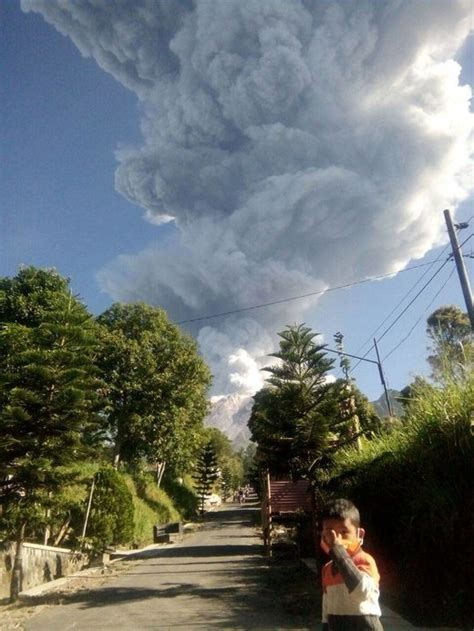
{"x":463,"y":278}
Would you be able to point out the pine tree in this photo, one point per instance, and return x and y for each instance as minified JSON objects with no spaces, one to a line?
{"x":49,"y":395}
{"x":206,"y":473}
{"x":293,"y":415}
{"x":226,"y":482}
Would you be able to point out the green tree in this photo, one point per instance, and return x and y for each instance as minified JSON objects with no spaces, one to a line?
{"x":31,"y":295}
{"x":206,"y":473}
{"x":227,"y":485}
{"x":228,"y":459}
{"x":49,"y":395}
{"x":451,"y":343}
{"x":247,"y":455}
{"x":409,"y":392}
{"x":292,"y":417}
{"x":357,"y":415}
{"x":157,"y":384}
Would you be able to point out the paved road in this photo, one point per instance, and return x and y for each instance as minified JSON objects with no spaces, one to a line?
{"x":218,"y":578}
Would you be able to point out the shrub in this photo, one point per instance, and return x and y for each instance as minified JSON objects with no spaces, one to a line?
{"x":111,"y":515}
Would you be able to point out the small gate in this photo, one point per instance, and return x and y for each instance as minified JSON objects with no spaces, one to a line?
{"x":282,"y":500}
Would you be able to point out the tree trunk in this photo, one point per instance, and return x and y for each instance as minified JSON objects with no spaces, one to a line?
{"x":47,"y":528}
{"x":47,"y":534}
{"x":17,"y":572}
{"x":116,"y":456}
{"x":357,"y":431}
{"x":160,"y":469}
{"x":62,"y":533}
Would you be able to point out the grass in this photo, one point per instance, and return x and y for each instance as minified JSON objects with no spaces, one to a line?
{"x":151,"y":506}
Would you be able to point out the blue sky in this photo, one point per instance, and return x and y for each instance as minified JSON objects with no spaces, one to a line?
{"x":62,"y":118}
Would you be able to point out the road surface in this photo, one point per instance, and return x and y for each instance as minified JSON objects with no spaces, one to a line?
{"x":218,"y":578}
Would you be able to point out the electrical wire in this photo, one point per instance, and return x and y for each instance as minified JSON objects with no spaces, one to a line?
{"x":421,"y":316}
{"x":313,"y":293}
{"x":400,"y":302}
{"x":413,"y":300}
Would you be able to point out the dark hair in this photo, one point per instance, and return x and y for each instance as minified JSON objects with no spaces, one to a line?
{"x":340,"y":509}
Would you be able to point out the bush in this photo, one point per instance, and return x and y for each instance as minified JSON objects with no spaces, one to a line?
{"x":111,"y":515}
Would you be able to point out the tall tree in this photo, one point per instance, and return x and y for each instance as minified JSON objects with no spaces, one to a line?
{"x":31,"y":295}
{"x":206,"y":472}
{"x":49,"y":394}
{"x":451,"y":343}
{"x":292,"y":417}
{"x":157,"y":384}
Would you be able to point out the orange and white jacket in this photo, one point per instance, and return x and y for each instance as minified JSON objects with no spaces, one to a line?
{"x":350,"y":591}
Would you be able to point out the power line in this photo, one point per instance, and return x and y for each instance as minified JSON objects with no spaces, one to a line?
{"x":413,"y":300}
{"x":419,"y":293}
{"x":421,"y":316}
{"x":400,"y":302}
{"x":313,"y":293}
{"x":389,"y":328}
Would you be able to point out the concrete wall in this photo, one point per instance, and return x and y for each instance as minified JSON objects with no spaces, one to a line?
{"x":41,"y":564}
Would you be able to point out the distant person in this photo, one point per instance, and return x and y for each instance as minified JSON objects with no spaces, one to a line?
{"x":351,"y":579}
{"x":241,"y":496}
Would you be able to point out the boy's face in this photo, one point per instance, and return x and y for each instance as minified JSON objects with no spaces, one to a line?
{"x":341,"y":531}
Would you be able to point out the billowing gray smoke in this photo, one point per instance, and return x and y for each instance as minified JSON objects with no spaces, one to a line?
{"x":295,"y":143}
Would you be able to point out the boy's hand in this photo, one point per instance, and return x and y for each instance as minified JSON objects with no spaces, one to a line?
{"x":330,"y":538}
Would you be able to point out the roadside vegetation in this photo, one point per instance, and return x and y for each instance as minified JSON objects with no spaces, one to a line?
{"x":414,"y":487}
{"x":101,"y":420}
{"x":102,"y":438}
{"x":411,"y":476}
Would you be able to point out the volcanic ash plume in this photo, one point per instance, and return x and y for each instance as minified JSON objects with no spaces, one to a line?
{"x":295,"y":145}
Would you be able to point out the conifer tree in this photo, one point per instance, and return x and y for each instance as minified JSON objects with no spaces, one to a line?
{"x":49,"y":400}
{"x":206,"y":472}
{"x":292,"y":416}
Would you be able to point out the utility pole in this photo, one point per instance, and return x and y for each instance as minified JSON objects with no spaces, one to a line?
{"x":370,"y":361}
{"x":382,"y":379}
{"x":463,"y":278}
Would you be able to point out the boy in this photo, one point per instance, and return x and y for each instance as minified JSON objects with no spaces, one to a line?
{"x":350,"y":579}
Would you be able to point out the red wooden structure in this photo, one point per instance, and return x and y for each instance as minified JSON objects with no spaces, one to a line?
{"x":282,"y":499}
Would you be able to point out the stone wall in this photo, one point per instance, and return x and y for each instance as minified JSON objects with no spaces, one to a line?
{"x":41,"y":564}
